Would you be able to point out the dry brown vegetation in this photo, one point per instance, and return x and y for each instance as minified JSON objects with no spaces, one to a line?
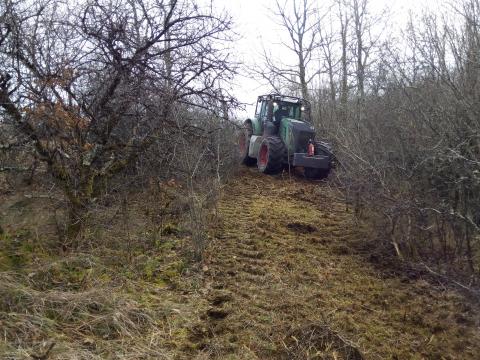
{"x":401,"y":107}
{"x":130,"y":291}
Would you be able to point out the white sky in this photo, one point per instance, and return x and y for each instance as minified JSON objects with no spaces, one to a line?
{"x":255,"y":25}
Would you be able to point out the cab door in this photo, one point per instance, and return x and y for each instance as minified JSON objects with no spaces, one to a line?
{"x":261,"y":116}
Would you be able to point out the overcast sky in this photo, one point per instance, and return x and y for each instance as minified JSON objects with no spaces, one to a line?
{"x":257,"y":29}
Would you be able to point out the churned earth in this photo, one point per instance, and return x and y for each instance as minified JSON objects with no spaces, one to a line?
{"x":284,"y":281}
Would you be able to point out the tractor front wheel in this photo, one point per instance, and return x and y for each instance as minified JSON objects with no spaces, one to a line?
{"x":270,"y":155}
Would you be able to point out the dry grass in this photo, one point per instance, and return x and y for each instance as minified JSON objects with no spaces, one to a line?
{"x":318,"y":341}
{"x":124,"y":294}
{"x":93,"y":320}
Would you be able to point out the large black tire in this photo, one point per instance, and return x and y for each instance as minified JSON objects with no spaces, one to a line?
{"x":312,"y":173}
{"x":271,"y":155}
{"x":244,"y":144}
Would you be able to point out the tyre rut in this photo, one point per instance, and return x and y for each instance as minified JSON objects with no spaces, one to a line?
{"x":248,"y":261}
{"x":282,"y":280}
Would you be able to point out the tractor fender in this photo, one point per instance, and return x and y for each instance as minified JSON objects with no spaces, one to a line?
{"x":255,"y":142}
{"x":248,"y":124}
{"x":324,"y":146}
{"x":256,"y":125}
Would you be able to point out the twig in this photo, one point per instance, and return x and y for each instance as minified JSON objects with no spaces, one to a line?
{"x":465,"y":287}
{"x":44,"y":356}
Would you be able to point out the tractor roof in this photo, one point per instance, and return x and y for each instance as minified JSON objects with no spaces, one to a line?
{"x":286,"y":98}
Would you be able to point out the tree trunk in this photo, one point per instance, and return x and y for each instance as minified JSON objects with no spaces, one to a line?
{"x":358,"y":17}
{"x":301,"y":65}
{"x":344,"y":65}
{"x":75,"y":219}
{"x":79,"y":198}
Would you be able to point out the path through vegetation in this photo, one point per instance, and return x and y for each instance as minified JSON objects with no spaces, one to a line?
{"x":284,"y":281}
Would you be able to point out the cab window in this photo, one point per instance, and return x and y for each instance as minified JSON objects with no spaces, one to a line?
{"x":258,"y":108}
{"x":263,"y":110}
{"x":292,"y":111}
{"x":295,"y":112}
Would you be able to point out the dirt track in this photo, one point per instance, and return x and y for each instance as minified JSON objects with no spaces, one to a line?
{"x":283,"y":282}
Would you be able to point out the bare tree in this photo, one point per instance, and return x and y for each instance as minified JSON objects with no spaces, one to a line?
{"x":299,"y":22}
{"x":344,"y":23}
{"x":413,"y":158}
{"x":94,"y":85}
{"x":328,"y":41}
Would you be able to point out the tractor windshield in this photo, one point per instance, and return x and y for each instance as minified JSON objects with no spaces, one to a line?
{"x":283,"y":109}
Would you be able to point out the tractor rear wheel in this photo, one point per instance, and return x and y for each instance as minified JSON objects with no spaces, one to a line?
{"x":244,"y":144}
{"x":270,"y":155}
{"x":312,"y":173}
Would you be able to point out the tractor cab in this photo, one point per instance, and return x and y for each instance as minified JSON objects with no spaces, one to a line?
{"x":271,"y":109}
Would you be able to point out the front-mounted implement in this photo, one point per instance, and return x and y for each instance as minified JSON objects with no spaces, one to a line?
{"x":280,"y":135}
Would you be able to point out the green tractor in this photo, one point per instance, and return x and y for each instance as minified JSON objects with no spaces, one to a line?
{"x":281,"y":135}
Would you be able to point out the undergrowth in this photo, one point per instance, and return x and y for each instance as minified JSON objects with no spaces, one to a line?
{"x":120,"y":294}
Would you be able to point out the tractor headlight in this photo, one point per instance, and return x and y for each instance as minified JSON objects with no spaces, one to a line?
{"x":302,"y":108}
